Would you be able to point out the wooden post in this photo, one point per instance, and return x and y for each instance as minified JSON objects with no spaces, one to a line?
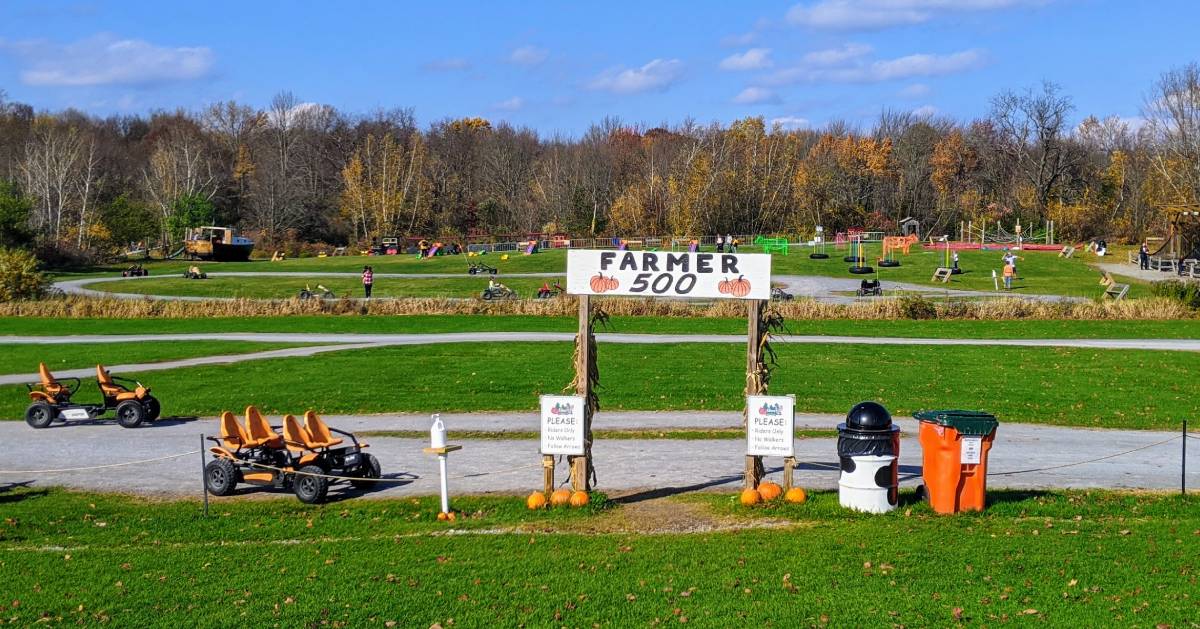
{"x":548,"y":474}
{"x":754,"y":365}
{"x":580,"y":480}
{"x":789,"y":464}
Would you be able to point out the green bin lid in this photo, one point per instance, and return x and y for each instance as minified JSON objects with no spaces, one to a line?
{"x":974,"y":423}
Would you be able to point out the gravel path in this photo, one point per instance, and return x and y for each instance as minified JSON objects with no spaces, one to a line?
{"x":336,"y":342}
{"x":831,"y":289}
{"x":513,"y":466}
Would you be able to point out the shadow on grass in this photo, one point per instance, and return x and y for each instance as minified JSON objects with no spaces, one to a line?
{"x":8,"y":494}
{"x":338,"y":492}
{"x":112,"y":421}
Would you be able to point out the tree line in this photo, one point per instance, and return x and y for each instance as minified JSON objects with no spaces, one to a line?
{"x":78,"y":186}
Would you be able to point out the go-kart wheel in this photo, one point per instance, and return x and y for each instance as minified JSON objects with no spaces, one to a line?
{"x":40,"y":414}
{"x":472,"y":271}
{"x":819,"y":256}
{"x":131,"y":413}
{"x":153,"y":408}
{"x":370,"y":469}
{"x":220,"y":476}
{"x":889,"y":263}
{"x":487,"y":295}
{"x":310,"y":489}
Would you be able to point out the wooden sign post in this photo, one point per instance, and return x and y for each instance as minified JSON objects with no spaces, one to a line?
{"x":585,"y":365}
{"x":754,"y":381}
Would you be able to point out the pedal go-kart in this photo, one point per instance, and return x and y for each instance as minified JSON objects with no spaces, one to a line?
{"x":52,"y":400}
{"x":135,"y":270}
{"x":194,"y":273}
{"x":778,"y":294}
{"x":499,"y":291}
{"x":549,"y":293}
{"x":307,"y":293}
{"x":299,"y":459}
{"x":869,"y":288}
{"x":476,"y":269}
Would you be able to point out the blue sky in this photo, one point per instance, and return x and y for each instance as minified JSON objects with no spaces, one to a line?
{"x":557,"y":66}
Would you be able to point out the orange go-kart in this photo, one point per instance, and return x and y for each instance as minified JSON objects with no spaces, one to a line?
{"x":51,"y":400}
{"x":299,"y":459}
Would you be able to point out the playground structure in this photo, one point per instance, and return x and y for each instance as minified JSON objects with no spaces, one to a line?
{"x":859,"y":258}
{"x":1183,"y":239}
{"x":994,"y":233}
{"x":892,"y":244}
{"x":818,"y":244}
{"x":772,"y":245}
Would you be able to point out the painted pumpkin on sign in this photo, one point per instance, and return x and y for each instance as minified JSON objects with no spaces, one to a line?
{"x":601,"y":284}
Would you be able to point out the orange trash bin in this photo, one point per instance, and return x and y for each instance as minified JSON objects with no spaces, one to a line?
{"x":954,"y":454}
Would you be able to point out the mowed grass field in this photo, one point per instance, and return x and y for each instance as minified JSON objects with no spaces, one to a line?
{"x":21,"y":358}
{"x":1075,"y":387}
{"x":287,"y":287}
{"x":1054,"y":559}
{"x":1041,"y":272}
{"x":429,"y":324}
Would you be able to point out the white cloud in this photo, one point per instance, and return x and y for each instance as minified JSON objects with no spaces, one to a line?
{"x":925,"y":111}
{"x":738,"y":40}
{"x":851,"y":65}
{"x":755,"y":96}
{"x":511,"y":104}
{"x":916,"y":90}
{"x":874,"y":14}
{"x":789,"y":123}
{"x":449,"y":64}
{"x":753,"y":59}
{"x":107,"y":60}
{"x":528,"y":55}
{"x":658,"y":74}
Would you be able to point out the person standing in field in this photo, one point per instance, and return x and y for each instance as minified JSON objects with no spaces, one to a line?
{"x":1144,"y":257}
{"x":1009,"y":272}
{"x":720,"y":244}
{"x":368,"y":279}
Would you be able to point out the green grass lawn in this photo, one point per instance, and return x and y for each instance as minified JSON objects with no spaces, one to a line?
{"x":1042,"y":272}
{"x":1078,"y":387}
{"x":1058,"y":559}
{"x":21,"y":358}
{"x":418,"y":324}
{"x":288,"y":287}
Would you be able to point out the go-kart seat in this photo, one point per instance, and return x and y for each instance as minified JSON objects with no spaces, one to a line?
{"x":318,"y":431}
{"x":232,"y":434}
{"x":51,"y":386}
{"x":113,"y":390}
{"x":260,"y":431}
{"x":296,"y":436}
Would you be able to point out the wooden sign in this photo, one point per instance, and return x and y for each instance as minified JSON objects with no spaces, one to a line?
{"x":770,"y":425}
{"x":562,"y":424}
{"x":669,"y":274}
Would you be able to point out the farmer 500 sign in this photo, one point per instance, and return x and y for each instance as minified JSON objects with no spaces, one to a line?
{"x":669,"y":274}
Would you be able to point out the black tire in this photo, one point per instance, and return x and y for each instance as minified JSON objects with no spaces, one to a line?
{"x":370,"y":469}
{"x":305,"y":294}
{"x":40,"y":414}
{"x":487,"y":295}
{"x":131,"y":413}
{"x":819,"y":256}
{"x":889,"y":263}
{"x":152,"y":406}
{"x":854,"y":259}
{"x":220,"y":477}
{"x":310,"y":489}
{"x":861,"y":270}
{"x":472,"y":271}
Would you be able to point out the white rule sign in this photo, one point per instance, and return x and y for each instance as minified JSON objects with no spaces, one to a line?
{"x":770,"y":424}
{"x":972,"y":449}
{"x":669,"y":274}
{"x":562,"y":424}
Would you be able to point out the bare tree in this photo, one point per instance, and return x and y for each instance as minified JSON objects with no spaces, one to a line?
{"x":1031,"y":132}
{"x":1173,"y":119}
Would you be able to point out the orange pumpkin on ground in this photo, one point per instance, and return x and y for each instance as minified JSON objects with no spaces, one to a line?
{"x":795,"y":495}
{"x":536,"y":500}
{"x":442,"y":516}
{"x":560,"y":497}
{"x":451,"y":516}
{"x":769,"y":491}
{"x":750,"y":497}
{"x":579,"y":499}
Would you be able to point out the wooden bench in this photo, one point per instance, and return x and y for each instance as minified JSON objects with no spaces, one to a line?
{"x":942,"y":274}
